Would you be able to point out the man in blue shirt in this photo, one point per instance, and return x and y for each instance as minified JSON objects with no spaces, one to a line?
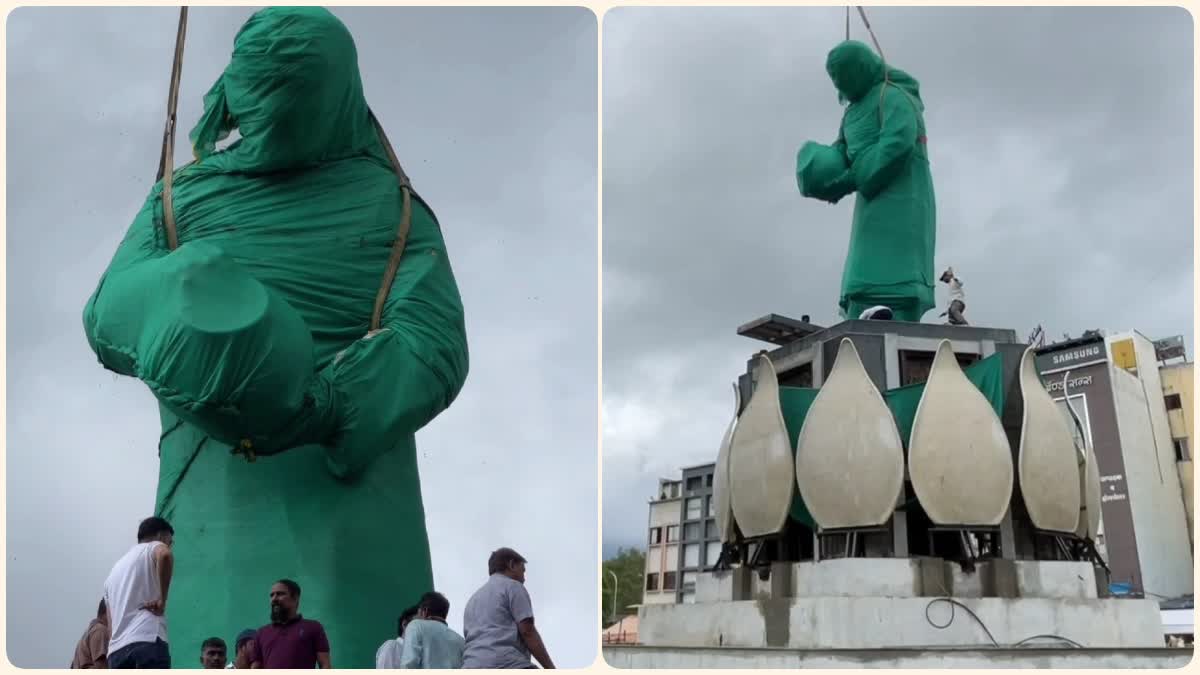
{"x":428,"y":641}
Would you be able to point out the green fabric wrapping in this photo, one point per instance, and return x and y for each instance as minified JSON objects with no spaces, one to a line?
{"x":822,"y":172}
{"x":892,"y":237}
{"x":986,"y":374}
{"x":256,"y":328}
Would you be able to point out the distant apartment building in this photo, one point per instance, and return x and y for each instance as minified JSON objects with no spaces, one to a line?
{"x":1178,"y":388}
{"x":662,"y":544}
{"x":700,"y":545}
{"x":682,"y":536}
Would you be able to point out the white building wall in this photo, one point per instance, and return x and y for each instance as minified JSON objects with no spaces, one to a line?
{"x":661,"y":558}
{"x":664,"y":513}
{"x":1159,"y":520}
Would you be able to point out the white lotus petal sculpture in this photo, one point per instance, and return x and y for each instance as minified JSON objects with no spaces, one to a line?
{"x":959,"y":460}
{"x":849,"y":456}
{"x":1089,"y":478}
{"x":721,"y":492}
{"x":761,"y":465}
{"x":1048,"y":463}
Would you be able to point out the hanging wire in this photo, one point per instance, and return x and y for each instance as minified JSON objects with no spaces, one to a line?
{"x":863,"y":14}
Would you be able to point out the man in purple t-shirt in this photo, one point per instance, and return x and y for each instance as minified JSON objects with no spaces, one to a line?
{"x":290,"y":640}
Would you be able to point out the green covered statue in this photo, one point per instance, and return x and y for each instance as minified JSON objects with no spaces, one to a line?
{"x":288,"y":397}
{"x":881,"y":154}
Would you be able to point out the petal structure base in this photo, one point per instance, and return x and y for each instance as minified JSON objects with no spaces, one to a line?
{"x":849,"y":455}
{"x":1047,"y":456}
{"x":959,"y":459}
{"x":762,"y":467}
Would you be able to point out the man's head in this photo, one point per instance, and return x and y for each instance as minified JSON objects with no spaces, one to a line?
{"x":212,"y":654}
{"x":507,"y":562}
{"x":433,"y":605}
{"x":406,"y":618}
{"x":156,"y":529}
{"x":285,"y":601}
{"x":947,"y":275}
{"x":244,"y":645}
{"x":102,"y":610}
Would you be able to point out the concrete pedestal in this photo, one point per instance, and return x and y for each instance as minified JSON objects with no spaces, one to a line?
{"x":889,"y":623}
{"x":890,"y":603}
{"x":701,"y":658}
{"x":901,"y":578}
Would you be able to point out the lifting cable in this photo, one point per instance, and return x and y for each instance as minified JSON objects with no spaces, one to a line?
{"x":166,"y":163}
{"x":166,"y":174}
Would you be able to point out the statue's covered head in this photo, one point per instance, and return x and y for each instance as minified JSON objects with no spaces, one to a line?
{"x":293,"y":91}
{"x":854,"y":69}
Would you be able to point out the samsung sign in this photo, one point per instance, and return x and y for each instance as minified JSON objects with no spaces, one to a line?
{"x":1072,"y":356}
{"x":1076,"y":355}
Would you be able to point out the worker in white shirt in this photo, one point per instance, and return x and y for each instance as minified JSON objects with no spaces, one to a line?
{"x":387,"y":657}
{"x":957,"y":299}
{"x":135,"y":595}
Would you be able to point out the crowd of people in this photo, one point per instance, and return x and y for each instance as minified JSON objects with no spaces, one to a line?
{"x":130,"y":628}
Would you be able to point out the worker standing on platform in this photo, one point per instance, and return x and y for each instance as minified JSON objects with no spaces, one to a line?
{"x":958,"y":302}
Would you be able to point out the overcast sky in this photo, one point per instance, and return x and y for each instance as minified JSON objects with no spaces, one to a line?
{"x":1061,"y":148}
{"x":493,"y":113}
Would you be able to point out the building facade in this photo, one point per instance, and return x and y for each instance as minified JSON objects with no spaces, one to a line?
{"x":1114,"y":387}
{"x":700,"y":544}
{"x":1178,"y":388}
{"x":682,"y":537}
{"x":661,"y":578}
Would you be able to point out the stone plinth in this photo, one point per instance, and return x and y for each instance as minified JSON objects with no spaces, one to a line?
{"x":901,"y":578}
{"x":899,"y":622}
{"x":687,"y":658}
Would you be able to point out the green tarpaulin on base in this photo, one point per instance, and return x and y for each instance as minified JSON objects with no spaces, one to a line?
{"x":986,"y":374}
{"x":256,"y":328}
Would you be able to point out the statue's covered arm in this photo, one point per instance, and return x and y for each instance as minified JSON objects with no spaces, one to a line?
{"x":844,"y":184}
{"x":139,"y":245}
{"x":879,"y":164}
{"x":823,"y":171}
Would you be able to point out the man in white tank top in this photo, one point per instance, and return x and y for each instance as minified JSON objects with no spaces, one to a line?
{"x":136,"y":596}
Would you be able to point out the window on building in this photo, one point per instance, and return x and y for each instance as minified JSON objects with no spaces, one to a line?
{"x":671,"y":556}
{"x":694,"y":506}
{"x":710,"y":529}
{"x":668,"y":581}
{"x":1173,"y":401}
{"x":652,"y":581}
{"x":691,"y":532}
{"x":1182,"y":452}
{"x":674,"y":490}
{"x":693,"y":483}
{"x":712,"y":553}
{"x":712,"y":507}
{"x":689,"y":582}
{"x":655,"y":535}
{"x":691,"y":555}
{"x":672,"y":533}
{"x":708,"y":480}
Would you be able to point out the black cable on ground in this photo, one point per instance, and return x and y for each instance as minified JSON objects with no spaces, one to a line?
{"x":955,"y":603}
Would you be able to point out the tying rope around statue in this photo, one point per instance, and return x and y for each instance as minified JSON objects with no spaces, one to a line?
{"x":166,"y":175}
